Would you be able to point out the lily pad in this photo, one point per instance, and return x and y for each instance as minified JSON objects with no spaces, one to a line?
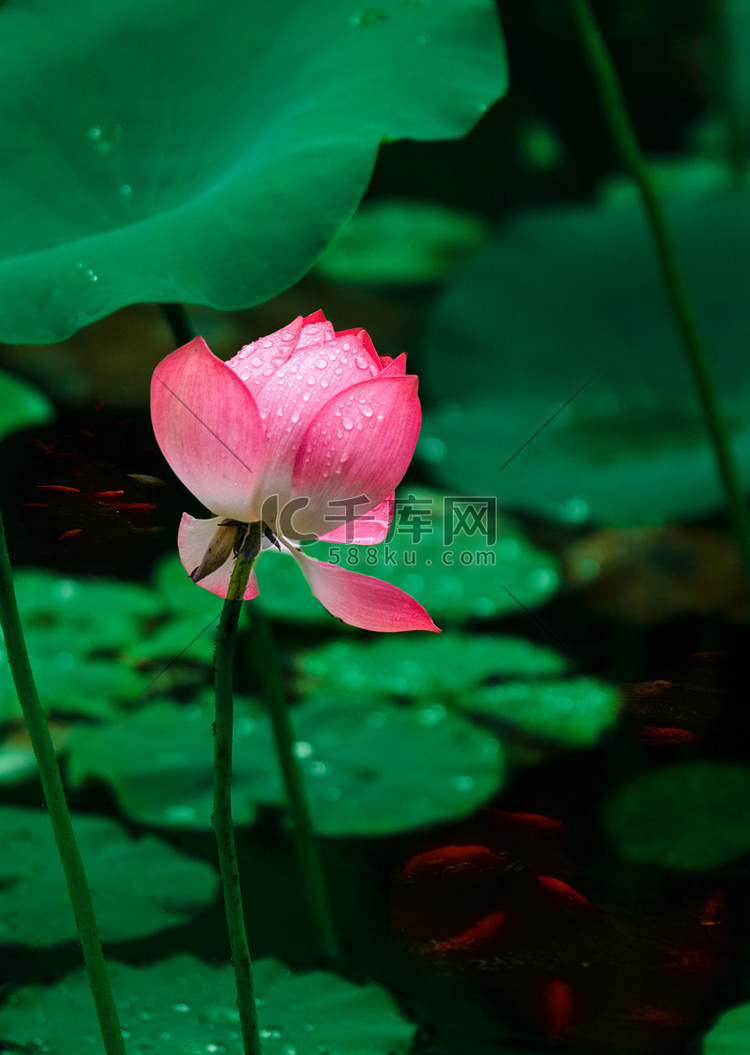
{"x":730,"y":1034}
{"x":21,"y":404}
{"x":574,"y":712}
{"x":138,"y":886}
{"x":689,"y":816}
{"x":400,"y":242}
{"x":570,"y":300}
{"x":75,"y":630}
{"x":376,"y":769}
{"x":422,"y":668}
{"x":184,"y":1006}
{"x":370,"y":768}
{"x":159,"y":762}
{"x":157,"y":176}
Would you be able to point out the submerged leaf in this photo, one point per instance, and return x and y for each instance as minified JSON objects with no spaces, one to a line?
{"x":690,"y":816}
{"x":151,"y":155}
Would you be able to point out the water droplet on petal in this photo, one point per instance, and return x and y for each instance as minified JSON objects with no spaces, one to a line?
{"x":367,"y":411}
{"x":305,"y":396}
{"x":320,"y":363}
{"x":295,"y":416}
{"x":323,"y":383}
{"x":347,"y":423}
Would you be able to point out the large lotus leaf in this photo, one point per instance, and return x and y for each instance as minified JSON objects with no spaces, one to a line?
{"x":690,"y":815}
{"x":138,"y":886}
{"x":21,"y":405}
{"x":574,"y":295}
{"x":574,"y":712}
{"x":209,"y":155}
{"x":422,"y":667}
{"x":370,"y":768}
{"x":184,"y":1006}
{"x":730,"y":1034}
{"x":159,"y":762}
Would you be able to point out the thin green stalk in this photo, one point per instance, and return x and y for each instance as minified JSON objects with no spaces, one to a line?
{"x":179,"y":323}
{"x":624,"y":136}
{"x":222,"y":818}
{"x":309,"y":864}
{"x":724,"y":77}
{"x":49,"y":772}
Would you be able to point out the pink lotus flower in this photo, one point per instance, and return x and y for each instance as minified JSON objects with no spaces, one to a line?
{"x":303,"y":434}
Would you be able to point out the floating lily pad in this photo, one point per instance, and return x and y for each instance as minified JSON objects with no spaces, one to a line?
{"x":75,"y":631}
{"x":98,"y":614}
{"x":184,"y":1006}
{"x":730,"y":1034}
{"x":400,"y":241}
{"x":138,"y":886}
{"x":422,"y":667}
{"x":370,"y":768}
{"x":376,"y":769}
{"x":454,"y":556}
{"x":573,"y":297}
{"x":690,"y":816}
{"x":574,"y":712}
{"x":21,"y":404}
{"x":159,"y":762}
{"x":156,"y":177}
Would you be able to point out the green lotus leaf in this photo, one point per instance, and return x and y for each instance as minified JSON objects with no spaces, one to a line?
{"x":76,"y":631}
{"x":184,"y":1006}
{"x":159,"y":762}
{"x":370,"y":768}
{"x":209,"y":156}
{"x":730,"y":1034}
{"x":138,"y":886}
{"x":375,"y":769}
{"x":575,"y":711}
{"x":423,"y":668}
{"x":400,"y":242}
{"x":688,"y":815}
{"x":567,"y":306}
{"x":21,"y":404}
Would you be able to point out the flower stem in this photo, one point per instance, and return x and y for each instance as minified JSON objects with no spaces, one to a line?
{"x":179,"y":323}
{"x":54,"y":795}
{"x":222,"y":818}
{"x":622,"y":131}
{"x":309,"y":864}
{"x":724,"y":77}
